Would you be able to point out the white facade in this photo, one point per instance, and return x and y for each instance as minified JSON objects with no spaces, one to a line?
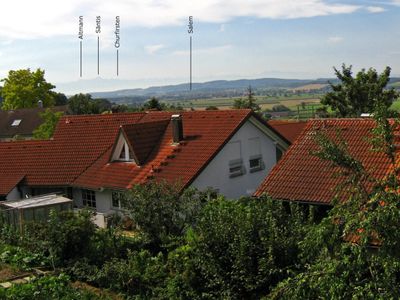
{"x":248,"y":142}
{"x":103,"y":200}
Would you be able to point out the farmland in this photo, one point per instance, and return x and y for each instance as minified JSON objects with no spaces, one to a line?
{"x":265,"y":102}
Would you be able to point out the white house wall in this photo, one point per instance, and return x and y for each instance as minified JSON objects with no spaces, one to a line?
{"x":103,"y":200}
{"x":217,"y":176}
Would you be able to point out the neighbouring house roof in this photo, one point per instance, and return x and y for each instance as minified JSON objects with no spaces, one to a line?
{"x":80,"y":152}
{"x":301,"y":176}
{"x":7,"y":183}
{"x":288,"y":128}
{"x":22,"y":122}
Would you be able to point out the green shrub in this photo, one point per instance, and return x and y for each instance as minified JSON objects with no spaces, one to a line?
{"x":240,"y":249}
{"x":47,"y":288}
{"x":141,"y":275}
{"x":162,"y":211}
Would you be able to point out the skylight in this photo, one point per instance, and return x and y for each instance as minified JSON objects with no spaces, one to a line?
{"x":16,"y":123}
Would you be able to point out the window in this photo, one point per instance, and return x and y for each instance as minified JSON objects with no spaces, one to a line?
{"x":255,"y":160}
{"x":89,"y":198}
{"x":126,"y":153}
{"x":236,"y":168}
{"x":122,"y":155}
{"x":256,"y":163}
{"x":234,"y":151}
{"x":118,"y":200}
{"x":16,"y":123}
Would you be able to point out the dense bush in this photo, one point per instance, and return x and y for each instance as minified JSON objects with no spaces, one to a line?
{"x":241,"y":248}
{"x":235,"y":249}
{"x":47,"y":288}
{"x":162,"y":211}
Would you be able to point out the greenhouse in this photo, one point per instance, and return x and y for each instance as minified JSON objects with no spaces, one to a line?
{"x":19,"y":212}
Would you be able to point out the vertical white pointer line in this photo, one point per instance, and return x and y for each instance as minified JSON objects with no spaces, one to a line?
{"x":80,"y":58}
{"x":98,"y":55}
{"x":117,"y":62}
{"x":190,"y":62}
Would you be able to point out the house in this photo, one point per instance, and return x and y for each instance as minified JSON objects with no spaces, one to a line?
{"x":93,"y":158}
{"x":302,"y":177}
{"x":21,"y":123}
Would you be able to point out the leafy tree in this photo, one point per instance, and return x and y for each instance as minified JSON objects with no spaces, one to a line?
{"x":23,"y":89}
{"x":80,"y":104}
{"x":211,"y":107}
{"x":119,"y":108}
{"x":359,"y":94}
{"x":83,"y":104}
{"x":153,"y":104}
{"x":60,"y":99}
{"x":162,"y":211}
{"x":280,"y":107}
{"x":240,"y":248}
{"x":65,"y":236}
{"x":354,"y":253}
{"x":1,"y":97}
{"x":249,"y":102}
{"x":46,"y":129}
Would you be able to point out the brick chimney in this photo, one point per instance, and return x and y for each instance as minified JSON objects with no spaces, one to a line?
{"x":177,"y":128}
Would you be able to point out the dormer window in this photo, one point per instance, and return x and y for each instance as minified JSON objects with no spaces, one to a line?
{"x":135,"y":142}
{"x":122,"y":151}
{"x":126,"y":153}
{"x":123,"y":155}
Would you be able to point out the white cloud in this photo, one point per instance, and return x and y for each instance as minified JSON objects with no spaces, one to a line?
{"x":152,"y":49}
{"x":208,"y":50}
{"x":335,"y":39}
{"x":6,"y":42}
{"x":375,"y":9}
{"x":44,"y":18}
{"x":222,"y":28}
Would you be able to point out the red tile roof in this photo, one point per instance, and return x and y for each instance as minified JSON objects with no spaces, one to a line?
{"x":301,"y":176}
{"x":143,"y":137}
{"x":288,"y":128}
{"x":205,"y":133}
{"x":7,"y":183}
{"x":79,"y":153}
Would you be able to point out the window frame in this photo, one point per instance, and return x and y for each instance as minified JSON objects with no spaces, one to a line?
{"x":89,"y":198}
{"x":120,"y":197}
{"x":236,"y":168}
{"x":260,"y":165}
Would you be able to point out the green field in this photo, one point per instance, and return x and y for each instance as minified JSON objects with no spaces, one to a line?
{"x":263,"y":101}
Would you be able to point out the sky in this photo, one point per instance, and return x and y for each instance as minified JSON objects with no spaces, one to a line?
{"x":232,"y":39}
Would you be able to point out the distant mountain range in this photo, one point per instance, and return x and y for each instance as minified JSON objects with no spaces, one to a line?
{"x":218,"y":88}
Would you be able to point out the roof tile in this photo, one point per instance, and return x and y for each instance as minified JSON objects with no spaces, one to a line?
{"x":301,"y":176}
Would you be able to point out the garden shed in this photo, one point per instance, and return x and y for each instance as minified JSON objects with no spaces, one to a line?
{"x":22,"y":211}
